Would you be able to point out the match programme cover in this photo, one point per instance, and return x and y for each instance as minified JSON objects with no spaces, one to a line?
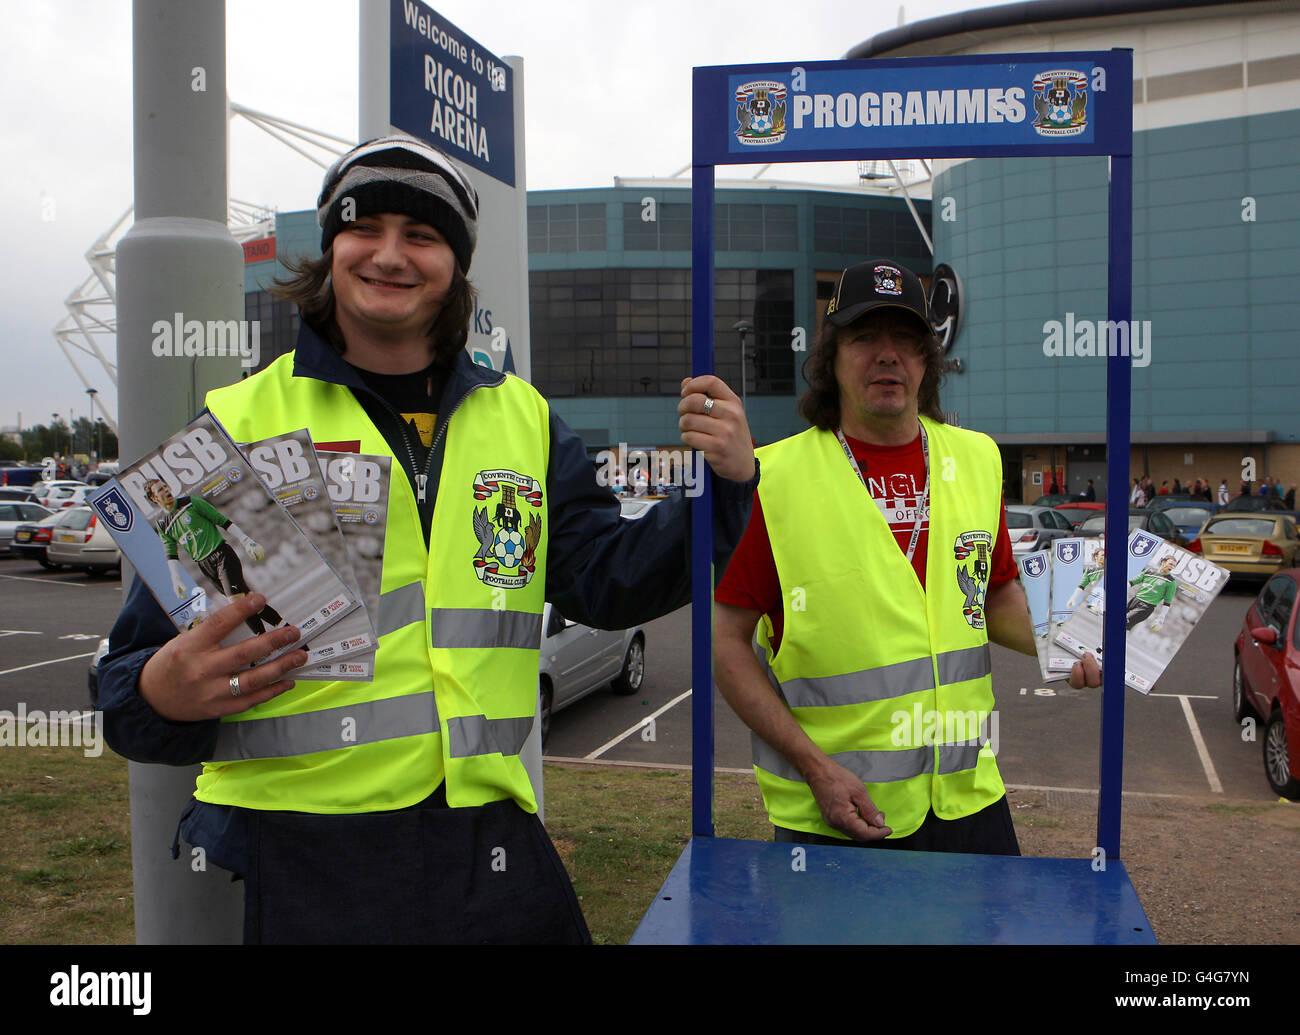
{"x":201,"y":529}
{"x":358,"y":487}
{"x":1036,"y":578}
{"x":1067,"y":570}
{"x":1169,"y":590}
{"x":289,"y":468}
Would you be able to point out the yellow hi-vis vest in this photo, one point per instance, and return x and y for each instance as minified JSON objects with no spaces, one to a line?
{"x":891,"y":680}
{"x":455,"y":679}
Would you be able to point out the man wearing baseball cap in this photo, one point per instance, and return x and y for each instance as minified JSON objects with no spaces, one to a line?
{"x":876,"y":567}
{"x":399,"y":810}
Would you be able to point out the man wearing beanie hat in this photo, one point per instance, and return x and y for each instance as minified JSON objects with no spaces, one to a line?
{"x":878,"y":561}
{"x":418,"y":822}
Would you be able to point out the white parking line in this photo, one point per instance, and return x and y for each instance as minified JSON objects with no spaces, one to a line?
{"x":46,"y":582}
{"x":54,"y":661}
{"x":1206,"y":764}
{"x":628,"y":732}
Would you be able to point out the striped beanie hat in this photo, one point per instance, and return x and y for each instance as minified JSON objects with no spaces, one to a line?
{"x":404,"y":175}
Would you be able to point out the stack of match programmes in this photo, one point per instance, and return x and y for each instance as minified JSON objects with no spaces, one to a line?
{"x":202,"y":530}
{"x":1169,"y":590}
{"x":319,"y":491}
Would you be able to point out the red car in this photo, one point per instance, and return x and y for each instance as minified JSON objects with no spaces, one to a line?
{"x":1266,"y":678}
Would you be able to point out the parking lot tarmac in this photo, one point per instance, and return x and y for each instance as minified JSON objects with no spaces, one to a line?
{"x":1180,"y":740}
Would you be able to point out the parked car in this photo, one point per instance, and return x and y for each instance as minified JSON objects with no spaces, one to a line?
{"x":1079,"y":511}
{"x":28,"y":476}
{"x":1053,"y":499}
{"x":1249,"y":543}
{"x":79,"y":540}
{"x":1257,"y":504}
{"x":578,"y":660}
{"x":32,"y":539}
{"x":1148,"y":520}
{"x":1034,"y":528}
{"x":1189,"y":515}
{"x":1266,"y":678}
{"x":17,"y":494}
{"x":52,"y":494}
{"x":14,"y":514}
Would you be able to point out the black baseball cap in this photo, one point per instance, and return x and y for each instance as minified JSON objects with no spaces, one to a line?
{"x":875,"y":284}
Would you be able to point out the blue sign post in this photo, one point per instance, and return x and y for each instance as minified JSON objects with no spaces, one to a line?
{"x":997,"y":105}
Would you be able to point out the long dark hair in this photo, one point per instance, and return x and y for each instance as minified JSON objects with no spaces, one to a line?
{"x":309,"y":287}
{"x":820,"y":404}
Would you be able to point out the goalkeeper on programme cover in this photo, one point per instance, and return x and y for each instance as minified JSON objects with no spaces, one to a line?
{"x":1092,"y":580}
{"x":1153,"y":589}
{"x":196,"y":524}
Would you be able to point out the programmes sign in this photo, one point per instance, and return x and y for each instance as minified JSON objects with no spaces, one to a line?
{"x":944,"y":107}
{"x":448,"y":89}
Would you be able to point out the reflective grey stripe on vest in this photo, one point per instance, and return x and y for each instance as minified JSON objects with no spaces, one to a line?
{"x":867,"y":766}
{"x":400,"y":607}
{"x":884,"y":682}
{"x":956,"y":666}
{"x":873,"y":684}
{"x":479,"y":735}
{"x":957,"y":758}
{"x":328,"y":729}
{"x":472,"y":627}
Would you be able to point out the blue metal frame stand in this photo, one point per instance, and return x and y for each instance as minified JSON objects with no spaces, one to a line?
{"x":724,"y":891}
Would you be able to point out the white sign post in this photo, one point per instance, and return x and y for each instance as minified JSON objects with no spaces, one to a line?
{"x":421,"y":75}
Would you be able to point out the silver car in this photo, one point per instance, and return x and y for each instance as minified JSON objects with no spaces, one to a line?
{"x":13,"y":514}
{"x":578,"y":660}
{"x":79,"y":540}
{"x":1034,"y":528}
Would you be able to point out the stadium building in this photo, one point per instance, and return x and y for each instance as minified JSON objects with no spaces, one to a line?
{"x":1216,"y":220}
{"x":1216,"y":247}
{"x":610,"y":288}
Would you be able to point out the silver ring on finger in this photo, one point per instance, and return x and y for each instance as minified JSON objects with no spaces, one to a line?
{"x":234,"y":687}
{"x":708,"y":406}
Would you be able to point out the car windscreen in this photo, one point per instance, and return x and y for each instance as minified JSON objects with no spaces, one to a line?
{"x":1094,"y":525}
{"x":1186,"y":515}
{"x":1073,"y":514}
{"x":1241,"y":526}
{"x":1018,"y":519}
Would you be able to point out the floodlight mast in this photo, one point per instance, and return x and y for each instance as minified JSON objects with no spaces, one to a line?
{"x":91,"y":308}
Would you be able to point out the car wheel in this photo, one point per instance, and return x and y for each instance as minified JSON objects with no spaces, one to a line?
{"x":546,"y":701}
{"x":1277,"y":766}
{"x":47,"y":563}
{"x":1241,"y":706}
{"x":629,"y":680}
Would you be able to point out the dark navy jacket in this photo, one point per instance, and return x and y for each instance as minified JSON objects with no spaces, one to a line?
{"x":601,"y":571}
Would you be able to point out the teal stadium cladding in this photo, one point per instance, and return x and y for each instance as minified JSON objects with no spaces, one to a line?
{"x":1029,"y":241}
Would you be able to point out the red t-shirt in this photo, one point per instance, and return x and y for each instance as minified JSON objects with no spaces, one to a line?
{"x":896,"y":475}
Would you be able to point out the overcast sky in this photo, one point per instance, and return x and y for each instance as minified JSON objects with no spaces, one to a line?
{"x":607,"y":90}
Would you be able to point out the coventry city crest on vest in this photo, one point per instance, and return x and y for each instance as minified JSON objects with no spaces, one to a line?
{"x":507,"y":543}
{"x":972,"y":551}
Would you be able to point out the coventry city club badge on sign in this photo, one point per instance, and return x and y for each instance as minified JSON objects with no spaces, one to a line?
{"x":1060,"y":103}
{"x":760,"y":113}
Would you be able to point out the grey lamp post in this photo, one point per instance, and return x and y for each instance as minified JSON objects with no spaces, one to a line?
{"x":743,"y":328}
